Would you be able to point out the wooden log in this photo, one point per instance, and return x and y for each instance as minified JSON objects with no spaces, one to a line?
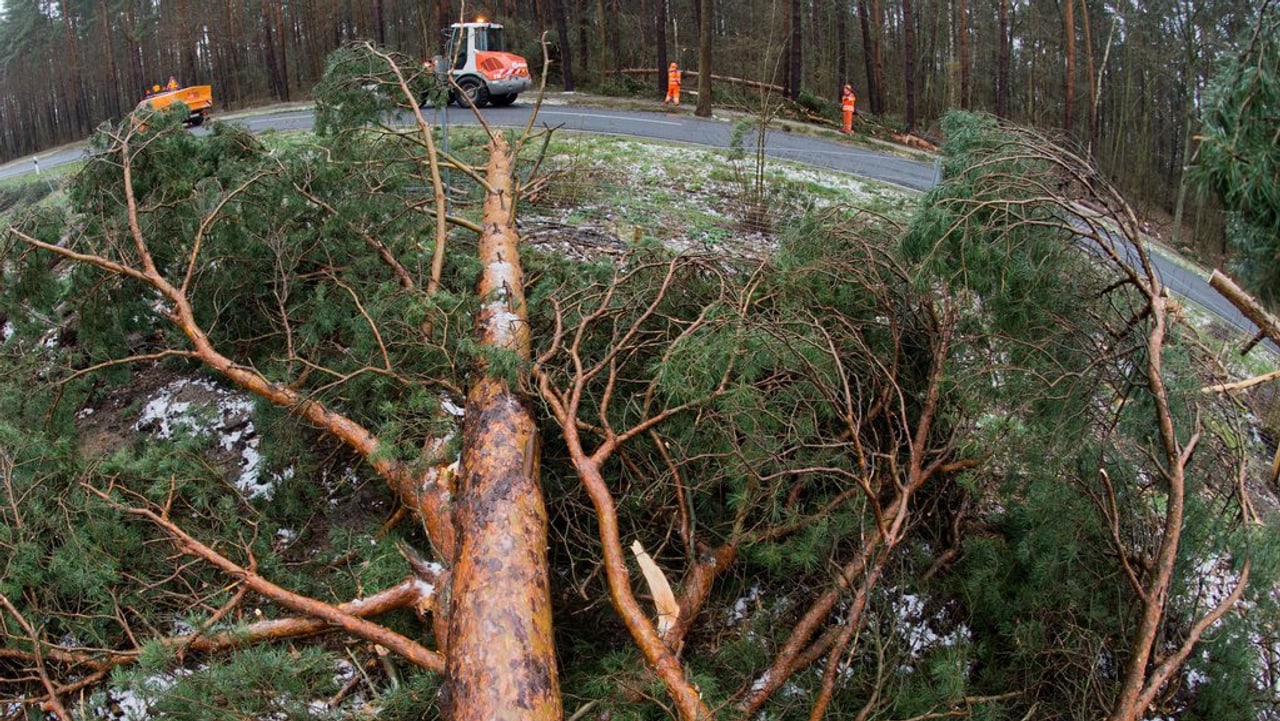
{"x":1268,"y":325}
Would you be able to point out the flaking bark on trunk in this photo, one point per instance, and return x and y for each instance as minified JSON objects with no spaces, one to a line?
{"x":501,"y":660}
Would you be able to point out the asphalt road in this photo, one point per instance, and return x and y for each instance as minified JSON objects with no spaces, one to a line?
{"x":676,"y":127}
{"x":683,"y":127}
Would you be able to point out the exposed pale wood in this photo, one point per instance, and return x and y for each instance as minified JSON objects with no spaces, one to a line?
{"x":1268,"y":324}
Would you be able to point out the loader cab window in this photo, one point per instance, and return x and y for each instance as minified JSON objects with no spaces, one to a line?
{"x":486,"y":38}
{"x":490,"y":39}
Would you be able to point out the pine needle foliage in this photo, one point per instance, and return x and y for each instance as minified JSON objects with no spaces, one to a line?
{"x":974,"y":376}
{"x":287,"y":279}
{"x":1239,"y":158}
{"x":1061,"y":368}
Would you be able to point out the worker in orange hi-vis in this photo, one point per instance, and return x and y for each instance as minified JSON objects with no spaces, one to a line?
{"x":848,"y":106}
{"x":673,"y":85}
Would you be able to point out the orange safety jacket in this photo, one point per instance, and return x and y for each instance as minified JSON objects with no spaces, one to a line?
{"x":849,"y":102}
{"x":673,"y":78}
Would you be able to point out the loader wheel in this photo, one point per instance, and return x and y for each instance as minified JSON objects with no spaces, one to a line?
{"x":475,"y":90}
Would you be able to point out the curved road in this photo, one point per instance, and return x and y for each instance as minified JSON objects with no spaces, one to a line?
{"x":683,"y":127}
{"x":679,"y":127}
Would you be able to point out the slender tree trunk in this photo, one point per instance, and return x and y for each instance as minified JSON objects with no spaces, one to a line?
{"x":1190,"y":64}
{"x":962,"y":13}
{"x":379,"y":24}
{"x":80,"y":110}
{"x":795,"y":50}
{"x":501,"y":656}
{"x":615,"y":38}
{"x":233,"y":53}
{"x":660,"y":26}
{"x":909,"y":63}
{"x":842,"y":48}
{"x":566,"y":46}
{"x":269,"y":57}
{"x":1093,"y":81}
{"x":1069,"y":31}
{"x":932,"y":54}
{"x":113,"y":91}
{"x":820,"y":56}
{"x":1002,"y":63}
{"x":870,"y":53}
{"x":1180,"y":204}
{"x":283,"y":81}
{"x":643,"y":15}
{"x":602,"y":44}
{"x":879,"y":101}
{"x":540,"y":15}
{"x":444,"y":18}
{"x":704,"y":60}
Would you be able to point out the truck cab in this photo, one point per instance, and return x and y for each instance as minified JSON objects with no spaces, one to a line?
{"x":477,"y":58}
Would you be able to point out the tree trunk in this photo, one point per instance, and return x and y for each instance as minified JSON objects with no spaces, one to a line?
{"x":704,"y":60}
{"x":909,"y":64}
{"x":962,"y":19}
{"x":113,"y":104}
{"x":795,"y":50}
{"x":501,"y":660}
{"x":379,"y":24}
{"x":1002,"y":64}
{"x":283,"y":81}
{"x":842,"y":48}
{"x":80,"y":110}
{"x":269,"y":57}
{"x":602,"y":44}
{"x":660,"y":26}
{"x":444,"y":18}
{"x":871,"y":57}
{"x":615,"y":38}
{"x":819,"y":53}
{"x":1093,"y":82}
{"x":566,"y":47}
{"x":584,"y":42}
{"x":1069,"y":30}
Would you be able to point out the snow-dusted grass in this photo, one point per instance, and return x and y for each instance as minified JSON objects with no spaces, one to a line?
{"x":692,"y":198}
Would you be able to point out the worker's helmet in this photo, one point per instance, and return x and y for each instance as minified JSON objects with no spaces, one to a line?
{"x":848,"y":87}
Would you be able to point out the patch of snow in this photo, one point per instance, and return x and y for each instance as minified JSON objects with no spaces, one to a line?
{"x":286,"y":536}
{"x":201,"y":408}
{"x":743,"y":606}
{"x":1214,"y":581}
{"x":451,"y":408}
{"x":918,"y":631}
{"x":760,"y":683}
{"x":502,"y":316}
{"x":250,"y":471}
{"x":793,"y":690}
